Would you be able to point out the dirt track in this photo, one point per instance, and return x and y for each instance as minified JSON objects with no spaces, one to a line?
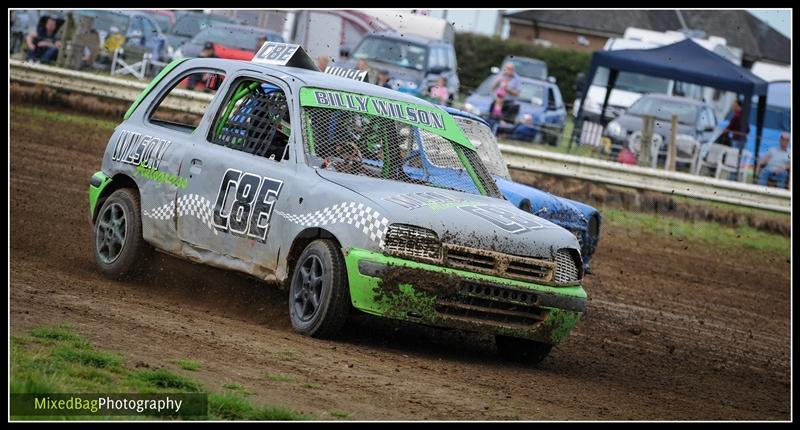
{"x":674,"y":330}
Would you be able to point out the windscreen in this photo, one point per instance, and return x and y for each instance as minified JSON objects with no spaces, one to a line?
{"x":664,"y":109}
{"x":391,"y":51}
{"x":485,"y":145}
{"x":633,"y":82}
{"x":530,"y":69}
{"x":382,"y":148}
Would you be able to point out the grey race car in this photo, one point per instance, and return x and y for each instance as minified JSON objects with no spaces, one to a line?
{"x":316,"y":182}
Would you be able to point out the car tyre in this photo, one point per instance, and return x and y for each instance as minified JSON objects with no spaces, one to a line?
{"x":523,"y":351}
{"x":319,"y":294}
{"x":120,"y":251}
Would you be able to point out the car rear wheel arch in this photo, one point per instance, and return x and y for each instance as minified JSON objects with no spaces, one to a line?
{"x":118,"y":181}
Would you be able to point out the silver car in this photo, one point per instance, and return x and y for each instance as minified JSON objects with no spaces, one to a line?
{"x":316,"y":182}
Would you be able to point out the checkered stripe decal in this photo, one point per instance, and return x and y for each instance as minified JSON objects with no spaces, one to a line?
{"x":190,"y":204}
{"x":363,"y":218}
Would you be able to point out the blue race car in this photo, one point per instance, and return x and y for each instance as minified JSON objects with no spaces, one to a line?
{"x":579,"y":218}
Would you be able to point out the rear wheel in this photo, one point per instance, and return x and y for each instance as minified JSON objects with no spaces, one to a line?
{"x":119,"y":249}
{"x":523,"y":351}
{"x":319,"y":296}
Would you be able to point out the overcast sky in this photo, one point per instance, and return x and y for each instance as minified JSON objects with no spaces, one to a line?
{"x":483,"y":21}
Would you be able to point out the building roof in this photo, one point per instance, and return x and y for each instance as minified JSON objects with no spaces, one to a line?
{"x":741,"y":29}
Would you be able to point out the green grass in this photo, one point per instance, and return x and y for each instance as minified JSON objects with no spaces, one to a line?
{"x":233,"y":406}
{"x":187,"y":364}
{"x":55,"y":117}
{"x":55,"y":359}
{"x":278,"y":378}
{"x":707,"y":232}
{"x":339,"y":414}
{"x":235,"y":386}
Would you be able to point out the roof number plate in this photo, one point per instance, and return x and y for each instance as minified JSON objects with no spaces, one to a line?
{"x":284,"y":54}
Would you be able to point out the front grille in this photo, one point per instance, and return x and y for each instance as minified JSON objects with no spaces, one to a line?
{"x":492,"y":304}
{"x":495,"y":263}
{"x":415,"y":242}
{"x":566,"y":268}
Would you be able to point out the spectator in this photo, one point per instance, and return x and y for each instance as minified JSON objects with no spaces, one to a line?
{"x":775,"y":164}
{"x":362,"y":64}
{"x":114,"y":40}
{"x":507,"y":82}
{"x":43,"y":45}
{"x":197,"y":78}
{"x":439,"y":91}
{"x":383,"y":79}
{"x":322,"y":62}
{"x":736,"y":131}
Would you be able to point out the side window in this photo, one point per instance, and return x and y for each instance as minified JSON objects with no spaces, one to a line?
{"x":186,"y":26}
{"x":168,"y":112}
{"x":149,"y":28}
{"x":255,"y":119}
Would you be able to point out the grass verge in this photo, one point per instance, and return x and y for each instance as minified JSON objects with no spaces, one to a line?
{"x":708,"y":232}
{"x":55,"y":359}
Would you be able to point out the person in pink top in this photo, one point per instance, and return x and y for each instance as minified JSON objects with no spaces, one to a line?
{"x":439,"y":91}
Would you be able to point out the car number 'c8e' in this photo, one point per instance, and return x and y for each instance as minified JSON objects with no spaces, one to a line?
{"x":251,"y":210}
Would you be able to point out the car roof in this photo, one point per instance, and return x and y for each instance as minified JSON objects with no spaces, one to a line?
{"x":239,"y":27}
{"x":412,"y":38}
{"x":679,"y":99}
{"x":313,"y":78}
{"x":528,"y":59}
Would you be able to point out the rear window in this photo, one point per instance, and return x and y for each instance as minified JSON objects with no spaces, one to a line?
{"x":235,"y":38}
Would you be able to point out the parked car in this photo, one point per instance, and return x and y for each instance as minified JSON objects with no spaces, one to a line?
{"x":695,"y":118}
{"x":579,"y":218}
{"x":414,"y":63}
{"x":189,"y":24}
{"x":234,"y":42}
{"x":538,"y":109}
{"x":527,"y":67}
{"x":164,"y":18}
{"x":138,"y":28}
{"x":311,"y":180}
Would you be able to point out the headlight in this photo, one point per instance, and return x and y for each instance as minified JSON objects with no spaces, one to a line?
{"x":613,"y":129}
{"x":178,"y":54}
{"x":414,"y":242}
{"x":469,"y":107}
{"x":526,"y":119}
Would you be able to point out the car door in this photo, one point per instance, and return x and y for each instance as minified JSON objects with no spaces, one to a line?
{"x":235,"y":183}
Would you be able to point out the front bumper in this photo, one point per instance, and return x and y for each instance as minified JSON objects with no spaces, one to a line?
{"x":438,"y":296}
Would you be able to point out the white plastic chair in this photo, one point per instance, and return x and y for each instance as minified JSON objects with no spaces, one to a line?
{"x":656,"y":143}
{"x":687,"y":150}
{"x":136,"y":64}
{"x":728,"y":160}
{"x":709,"y":156}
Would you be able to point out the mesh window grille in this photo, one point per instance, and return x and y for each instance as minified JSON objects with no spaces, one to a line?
{"x":368,"y":145}
{"x":485,"y":144}
{"x":258,"y":124}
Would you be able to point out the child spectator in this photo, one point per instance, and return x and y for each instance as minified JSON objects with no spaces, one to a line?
{"x":439,"y":91}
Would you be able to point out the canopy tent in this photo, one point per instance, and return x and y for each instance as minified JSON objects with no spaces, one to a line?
{"x":684,"y":61}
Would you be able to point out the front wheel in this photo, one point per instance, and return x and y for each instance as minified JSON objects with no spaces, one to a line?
{"x":119,"y":249}
{"x":523,"y":351}
{"x":319,"y":296}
